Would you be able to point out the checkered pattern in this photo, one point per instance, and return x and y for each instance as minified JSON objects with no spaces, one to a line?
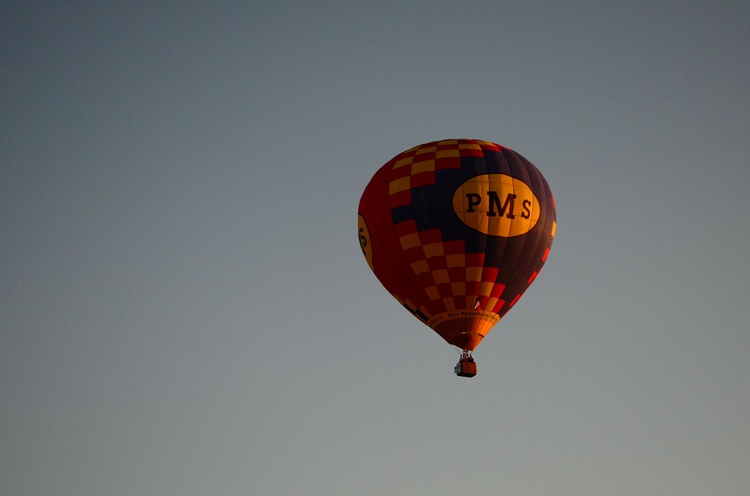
{"x":458,"y":281}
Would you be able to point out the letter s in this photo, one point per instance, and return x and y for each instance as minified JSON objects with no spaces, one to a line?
{"x":526,"y":209}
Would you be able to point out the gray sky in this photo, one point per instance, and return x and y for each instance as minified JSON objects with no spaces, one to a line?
{"x":184,"y":308}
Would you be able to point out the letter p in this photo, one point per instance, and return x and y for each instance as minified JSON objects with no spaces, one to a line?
{"x":473,"y":199}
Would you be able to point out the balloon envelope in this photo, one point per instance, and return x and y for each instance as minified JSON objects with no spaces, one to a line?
{"x":456,"y":230}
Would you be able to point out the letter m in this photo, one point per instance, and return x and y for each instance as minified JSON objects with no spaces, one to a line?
{"x":495,"y":203}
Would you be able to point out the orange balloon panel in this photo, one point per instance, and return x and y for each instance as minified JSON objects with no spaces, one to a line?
{"x":456,"y":230}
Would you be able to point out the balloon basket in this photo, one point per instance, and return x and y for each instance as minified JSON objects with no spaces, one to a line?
{"x":466,"y":366}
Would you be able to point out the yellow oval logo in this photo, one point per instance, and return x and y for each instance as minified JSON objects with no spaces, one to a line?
{"x":497,"y":205}
{"x":364,"y":241}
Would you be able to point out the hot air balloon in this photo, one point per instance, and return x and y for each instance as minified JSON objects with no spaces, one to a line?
{"x":456,"y":230}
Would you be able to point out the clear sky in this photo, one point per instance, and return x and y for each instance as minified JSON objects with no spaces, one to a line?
{"x":184,"y":308}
